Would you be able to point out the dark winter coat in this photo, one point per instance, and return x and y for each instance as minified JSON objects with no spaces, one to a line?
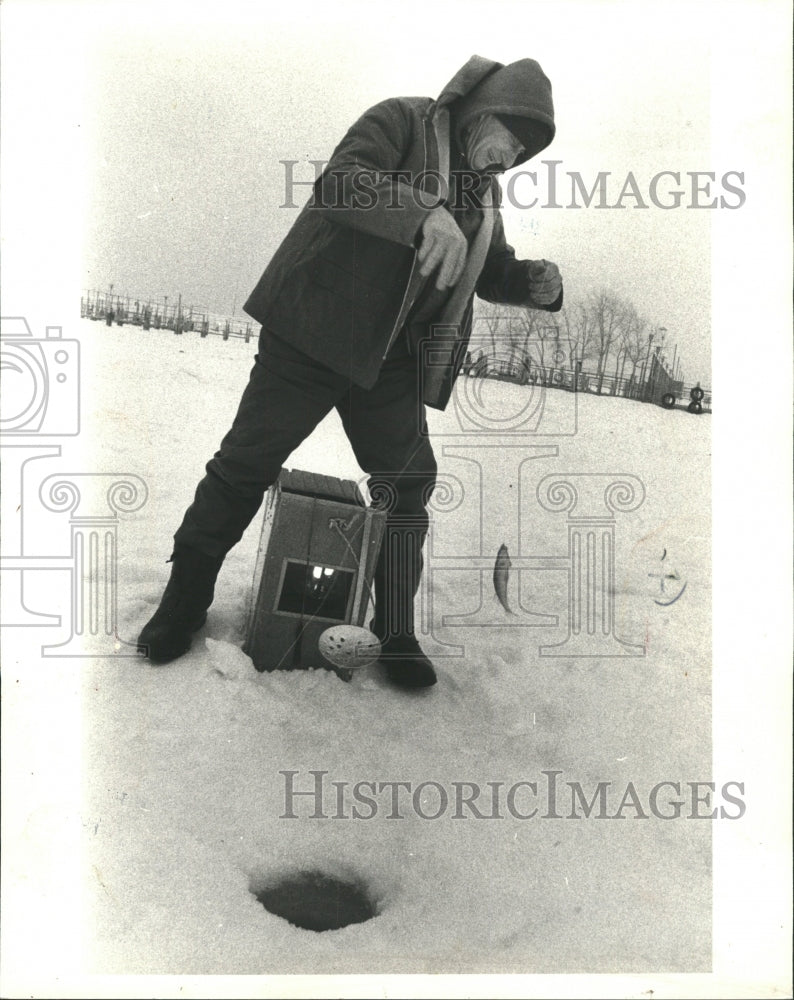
{"x":342,"y":283}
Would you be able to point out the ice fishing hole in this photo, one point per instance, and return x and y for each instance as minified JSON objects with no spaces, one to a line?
{"x":315,"y":901}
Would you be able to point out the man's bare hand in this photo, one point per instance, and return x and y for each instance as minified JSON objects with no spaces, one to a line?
{"x":444,"y":247}
{"x":545,"y":281}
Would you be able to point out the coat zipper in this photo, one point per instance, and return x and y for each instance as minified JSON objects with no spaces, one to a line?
{"x":402,"y":311}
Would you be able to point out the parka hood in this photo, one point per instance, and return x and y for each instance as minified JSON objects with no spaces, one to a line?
{"x":519,"y":94}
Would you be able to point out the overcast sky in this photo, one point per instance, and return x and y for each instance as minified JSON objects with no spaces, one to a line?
{"x":183,"y":113}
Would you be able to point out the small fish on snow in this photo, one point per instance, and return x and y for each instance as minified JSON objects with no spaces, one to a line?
{"x":501,"y":577}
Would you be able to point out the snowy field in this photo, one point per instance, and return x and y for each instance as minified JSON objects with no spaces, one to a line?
{"x":183,"y":795}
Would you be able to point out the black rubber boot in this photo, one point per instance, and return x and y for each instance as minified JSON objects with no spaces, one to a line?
{"x":406,"y":665}
{"x":183,"y":607}
{"x":396,"y":581}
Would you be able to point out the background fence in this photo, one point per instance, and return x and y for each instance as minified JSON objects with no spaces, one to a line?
{"x":652,"y":383}
{"x":123,"y":310}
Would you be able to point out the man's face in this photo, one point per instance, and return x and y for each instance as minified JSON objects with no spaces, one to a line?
{"x":490,"y":147}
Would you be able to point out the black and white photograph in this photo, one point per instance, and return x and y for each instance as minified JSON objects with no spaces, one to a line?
{"x":396,"y":499}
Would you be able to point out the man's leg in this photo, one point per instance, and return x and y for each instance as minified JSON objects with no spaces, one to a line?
{"x":287,"y":395}
{"x":388,"y":432}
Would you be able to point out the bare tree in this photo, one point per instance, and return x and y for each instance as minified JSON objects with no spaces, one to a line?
{"x":492,"y":323}
{"x":605,"y":311}
{"x":604,"y":328}
{"x":527,"y":332}
{"x":634,"y":340}
{"x":571,"y":331}
{"x":497,"y":337}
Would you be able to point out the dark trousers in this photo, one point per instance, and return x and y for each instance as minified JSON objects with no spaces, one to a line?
{"x":287,"y":395}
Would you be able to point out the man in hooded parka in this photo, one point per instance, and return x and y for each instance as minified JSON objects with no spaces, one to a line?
{"x":383,"y":261}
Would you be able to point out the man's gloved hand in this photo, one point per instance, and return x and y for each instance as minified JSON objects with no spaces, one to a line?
{"x":443,"y":246}
{"x":545,"y":281}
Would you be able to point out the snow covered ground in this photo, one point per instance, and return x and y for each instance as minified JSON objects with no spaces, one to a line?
{"x":183,"y":790}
